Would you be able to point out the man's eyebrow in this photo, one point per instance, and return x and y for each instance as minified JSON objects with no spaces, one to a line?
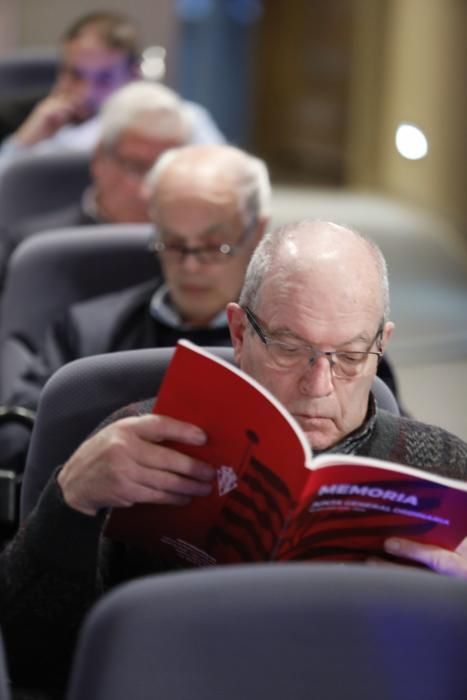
{"x":361,"y":338}
{"x":216,"y":228}
{"x":285,"y":330}
{"x":106,"y":72}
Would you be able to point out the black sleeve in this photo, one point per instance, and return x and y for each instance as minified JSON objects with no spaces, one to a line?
{"x":49,"y":577}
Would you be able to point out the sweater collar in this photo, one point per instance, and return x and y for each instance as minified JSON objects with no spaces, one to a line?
{"x":353,"y":443}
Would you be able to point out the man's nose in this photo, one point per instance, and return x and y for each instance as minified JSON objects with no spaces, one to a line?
{"x":316,"y":379}
{"x":190,"y":260}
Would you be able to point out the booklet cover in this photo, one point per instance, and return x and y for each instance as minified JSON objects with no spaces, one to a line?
{"x":350,"y":505}
{"x":271,"y":500}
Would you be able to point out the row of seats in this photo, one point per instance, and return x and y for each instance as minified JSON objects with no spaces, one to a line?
{"x":28,"y":68}
{"x":46,"y":274}
{"x":298,"y":631}
{"x":35,"y":185}
{"x":26,"y":76}
{"x":38,"y":184}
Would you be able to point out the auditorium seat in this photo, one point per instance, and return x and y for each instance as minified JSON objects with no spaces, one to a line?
{"x":47,"y":273}
{"x":301,"y":631}
{"x":34,"y":185}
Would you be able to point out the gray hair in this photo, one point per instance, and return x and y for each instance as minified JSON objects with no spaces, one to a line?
{"x":152,"y":106}
{"x":115,"y":30}
{"x":267,"y":249}
{"x":248,"y":173}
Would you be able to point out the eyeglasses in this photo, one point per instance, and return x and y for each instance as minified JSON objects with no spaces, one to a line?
{"x":208,"y":254}
{"x":344,"y":364}
{"x":133,"y":168}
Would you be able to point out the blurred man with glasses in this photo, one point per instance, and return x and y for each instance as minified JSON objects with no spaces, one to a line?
{"x":210,"y":207}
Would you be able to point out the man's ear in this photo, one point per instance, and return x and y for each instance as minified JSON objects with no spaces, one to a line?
{"x":236,"y":321}
{"x":387,"y":332}
{"x":135,"y":71}
{"x":260,"y":230}
{"x":98,"y":161}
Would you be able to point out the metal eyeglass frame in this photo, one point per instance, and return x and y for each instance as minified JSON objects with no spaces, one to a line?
{"x":227,"y":250}
{"x":314,"y":352}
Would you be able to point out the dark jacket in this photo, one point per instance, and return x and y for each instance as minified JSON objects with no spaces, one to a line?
{"x":108,"y":323}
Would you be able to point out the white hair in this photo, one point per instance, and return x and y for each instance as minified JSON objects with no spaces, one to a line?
{"x":249,"y":175}
{"x":150,"y":106}
{"x":267,"y":249}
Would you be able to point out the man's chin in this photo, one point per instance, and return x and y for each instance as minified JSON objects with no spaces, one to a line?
{"x":194,"y":315}
{"x":321,"y":437}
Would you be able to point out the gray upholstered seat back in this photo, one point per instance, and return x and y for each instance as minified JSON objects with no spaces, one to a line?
{"x":277,"y":631}
{"x":50,"y":271}
{"x":34,"y":185}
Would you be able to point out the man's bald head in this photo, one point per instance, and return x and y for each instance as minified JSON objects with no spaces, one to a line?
{"x":209,"y":205}
{"x":331,"y":258}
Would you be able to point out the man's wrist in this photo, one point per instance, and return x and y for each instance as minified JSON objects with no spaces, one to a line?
{"x":61,"y":535}
{"x":71,"y":500}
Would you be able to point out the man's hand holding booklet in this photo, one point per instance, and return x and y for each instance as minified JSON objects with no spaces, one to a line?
{"x":272,"y":500}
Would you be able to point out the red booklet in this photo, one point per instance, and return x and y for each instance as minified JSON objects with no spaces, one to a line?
{"x":271,"y":500}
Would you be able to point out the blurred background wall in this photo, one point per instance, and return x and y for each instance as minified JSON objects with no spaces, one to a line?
{"x":317,"y":88}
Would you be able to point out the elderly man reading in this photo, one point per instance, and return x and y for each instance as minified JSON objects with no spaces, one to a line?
{"x":310,"y":324}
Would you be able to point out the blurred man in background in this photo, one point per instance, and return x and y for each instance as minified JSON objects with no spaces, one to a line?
{"x":210,"y":207}
{"x":137,"y":123}
{"x":100,"y":52}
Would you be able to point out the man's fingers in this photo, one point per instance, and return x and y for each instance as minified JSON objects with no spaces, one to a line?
{"x":172,"y":491}
{"x":436,"y":558}
{"x":140,"y":439}
{"x":156,"y":428}
{"x":156,"y":457}
{"x":175,"y":481}
{"x":126,"y":463}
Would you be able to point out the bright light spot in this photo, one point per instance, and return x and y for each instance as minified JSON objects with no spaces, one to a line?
{"x":153,"y":63}
{"x":411,"y":142}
